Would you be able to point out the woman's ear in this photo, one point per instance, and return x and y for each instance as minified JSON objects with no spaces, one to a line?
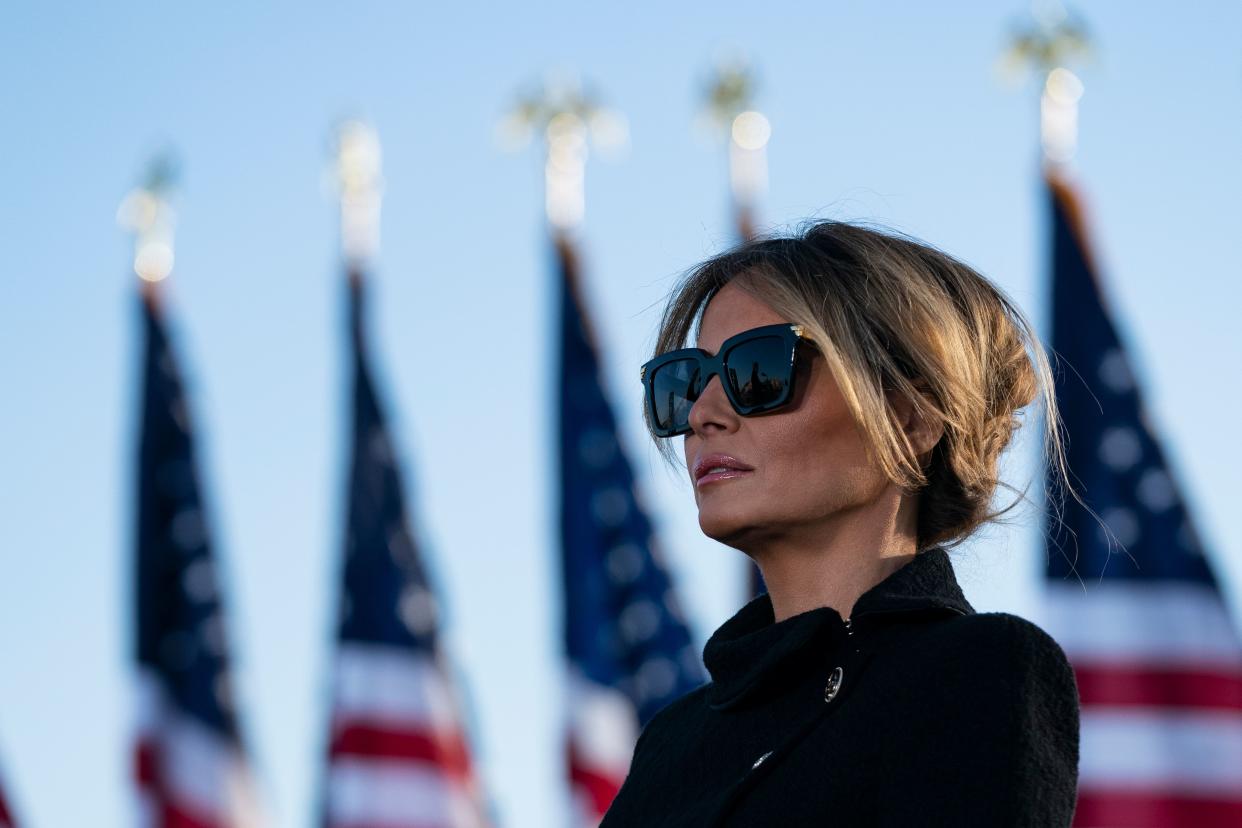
{"x":922,"y":430}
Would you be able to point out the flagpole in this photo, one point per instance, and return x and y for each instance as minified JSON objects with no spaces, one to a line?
{"x":360,"y":186}
{"x":147,"y":213}
{"x":571,"y":120}
{"x":730,"y":110}
{"x":357,"y":175}
{"x":1046,"y":46}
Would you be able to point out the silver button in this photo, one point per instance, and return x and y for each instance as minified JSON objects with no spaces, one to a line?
{"x":834,"y":684}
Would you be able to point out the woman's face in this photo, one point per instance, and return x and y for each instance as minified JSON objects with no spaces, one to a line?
{"x":799,"y":467}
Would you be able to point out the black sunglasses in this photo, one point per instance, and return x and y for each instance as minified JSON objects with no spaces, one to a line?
{"x":756,"y":368}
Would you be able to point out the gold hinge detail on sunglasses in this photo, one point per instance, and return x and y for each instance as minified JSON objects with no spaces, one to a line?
{"x":797,"y":329}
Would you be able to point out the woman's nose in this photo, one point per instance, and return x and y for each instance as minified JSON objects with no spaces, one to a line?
{"x":712,"y":410}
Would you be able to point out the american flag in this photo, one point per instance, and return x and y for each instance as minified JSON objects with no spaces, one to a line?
{"x":6,"y":816}
{"x":1157,"y":657}
{"x":629,"y":649}
{"x":398,"y":756}
{"x":191,"y":767}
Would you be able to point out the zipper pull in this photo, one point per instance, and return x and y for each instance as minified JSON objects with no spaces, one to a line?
{"x":849,"y":627}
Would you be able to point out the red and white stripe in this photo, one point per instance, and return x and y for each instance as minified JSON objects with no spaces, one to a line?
{"x":398,"y":757}
{"x":603,"y":729}
{"x":188,"y":775}
{"x":1159,"y":670}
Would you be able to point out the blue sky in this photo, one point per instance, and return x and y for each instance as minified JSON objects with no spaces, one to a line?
{"x":884,"y":112}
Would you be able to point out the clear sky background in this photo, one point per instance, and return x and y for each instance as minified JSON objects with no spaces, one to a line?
{"x":881,"y":111}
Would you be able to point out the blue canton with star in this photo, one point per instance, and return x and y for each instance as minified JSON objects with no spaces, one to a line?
{"x":180,"y":618}
{"x":1115,"y":460}
{"x":386,"y":598}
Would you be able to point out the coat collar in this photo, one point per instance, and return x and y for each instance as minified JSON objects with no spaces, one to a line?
{"x":749,"y":651}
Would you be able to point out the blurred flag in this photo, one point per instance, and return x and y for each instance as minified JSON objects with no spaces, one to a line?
{"x":6,"y":816}
{"x":191,"y":766}
{"x":1158,"y":660}
{"x":629,"y":650}
{"x":398,"y":756}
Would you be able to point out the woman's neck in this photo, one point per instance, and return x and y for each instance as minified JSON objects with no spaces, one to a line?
{"x":832,"y":564}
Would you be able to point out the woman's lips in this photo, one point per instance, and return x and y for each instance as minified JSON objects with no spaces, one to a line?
{"x":715,"y":467}
{"x":723,"y":474}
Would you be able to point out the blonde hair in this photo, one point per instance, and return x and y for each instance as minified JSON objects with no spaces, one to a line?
{"x":890,"y":313}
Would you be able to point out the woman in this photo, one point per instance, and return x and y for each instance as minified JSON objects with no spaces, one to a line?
{"x":843,"y":412}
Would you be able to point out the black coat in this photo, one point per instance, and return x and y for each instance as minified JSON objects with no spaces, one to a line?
{"x":918,"y":712}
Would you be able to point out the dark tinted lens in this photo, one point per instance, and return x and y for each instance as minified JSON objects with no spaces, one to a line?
{"x":674,"y":388}
{"x":759,"y":371}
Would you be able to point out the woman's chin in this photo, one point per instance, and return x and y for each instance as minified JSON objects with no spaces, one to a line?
{"x":725,"y":526}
